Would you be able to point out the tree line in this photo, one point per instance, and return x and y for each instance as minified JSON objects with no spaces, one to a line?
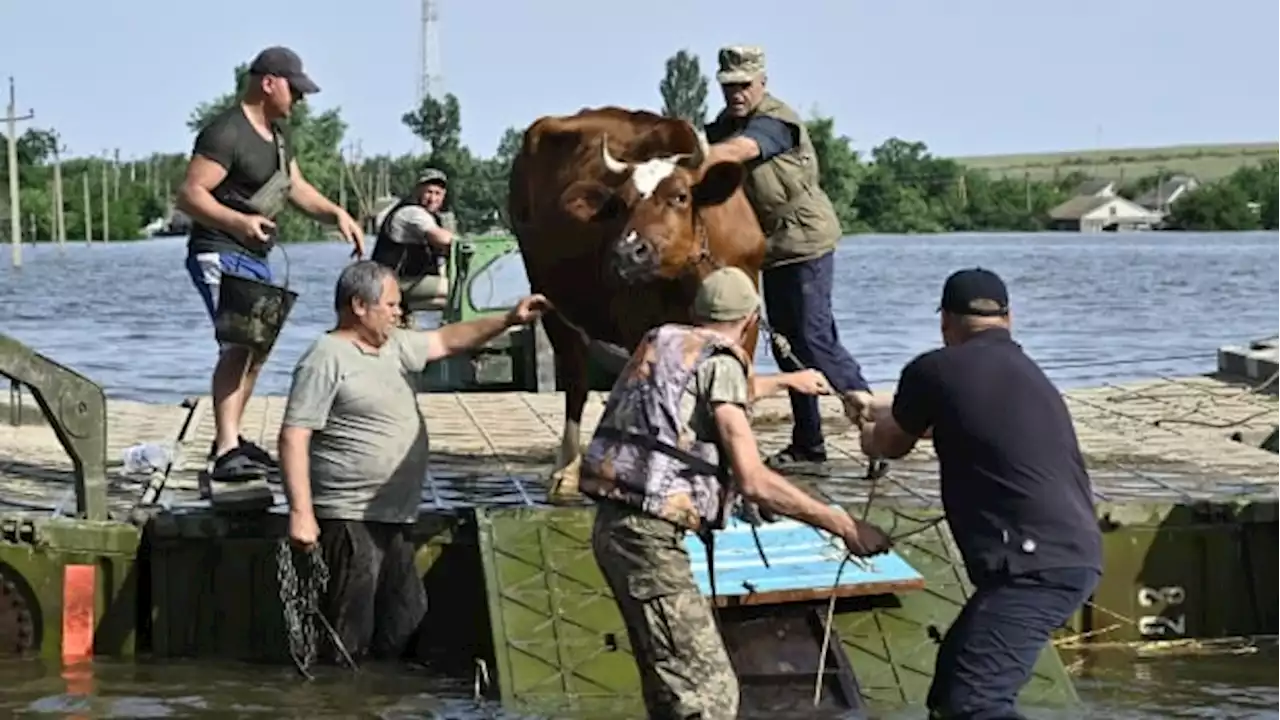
{"x":898,"y":187}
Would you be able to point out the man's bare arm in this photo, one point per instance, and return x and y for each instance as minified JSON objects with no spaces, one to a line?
{"x":295,"y":464}
{"x":195,"y":195}
{"x":308,"y":199}
{"x":765,"y":385}
{"x":884,"y":438}
{"x":457,"y":337}
{"x":767,"y":488}
{"x":439,"y":237}
{"x":432,"y":233}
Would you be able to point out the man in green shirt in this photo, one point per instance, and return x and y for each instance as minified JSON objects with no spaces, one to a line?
{"x":769,"y":138}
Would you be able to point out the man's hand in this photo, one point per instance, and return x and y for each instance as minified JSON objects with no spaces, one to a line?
{"x":862,"y":539}
{"x":859,"y":406}
{"x":528,"y":310}
{"x":304,"y":532}
{"x":351,"y":232}
{"x":254,"y":228}
{"x":808,"y":382}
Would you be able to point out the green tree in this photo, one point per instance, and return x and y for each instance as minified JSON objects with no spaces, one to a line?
{"x":684,"y":89}
{"x":1217,"y":206}
{"x":438,"y":122}
{"x":839,"y":169}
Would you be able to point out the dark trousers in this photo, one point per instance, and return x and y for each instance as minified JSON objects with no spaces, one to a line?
{"x":797,"y":299}
{"x":988,"y":654}
{"x":375,"y":599}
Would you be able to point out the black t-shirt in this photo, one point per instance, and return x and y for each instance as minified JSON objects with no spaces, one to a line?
{"x":232,"y":142}
{"x":1014,"y":484}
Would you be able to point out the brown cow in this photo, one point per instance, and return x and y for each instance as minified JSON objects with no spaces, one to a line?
{"x":618,"y":221}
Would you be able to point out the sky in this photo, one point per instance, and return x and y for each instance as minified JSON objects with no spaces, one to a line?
{"x":967,"y":77}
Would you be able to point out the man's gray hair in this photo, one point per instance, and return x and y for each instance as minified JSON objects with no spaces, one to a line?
{"x":361,"y":279}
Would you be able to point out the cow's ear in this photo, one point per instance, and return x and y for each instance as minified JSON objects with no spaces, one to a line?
{"x":718,"y":183}
{"x":585,"y":199}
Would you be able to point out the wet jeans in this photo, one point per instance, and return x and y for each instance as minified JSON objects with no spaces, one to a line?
{"x":375,"y":599}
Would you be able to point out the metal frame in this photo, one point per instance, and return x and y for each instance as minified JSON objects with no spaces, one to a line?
{"x":76,"y":409}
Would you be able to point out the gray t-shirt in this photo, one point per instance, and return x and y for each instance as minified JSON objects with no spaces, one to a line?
{"x":409,"y":225}
{"x":369,"y":448}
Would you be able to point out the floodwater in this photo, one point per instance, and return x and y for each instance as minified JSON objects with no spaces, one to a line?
{"x":1091,"y":309}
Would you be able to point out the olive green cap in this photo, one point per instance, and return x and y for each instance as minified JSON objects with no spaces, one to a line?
{"x":725,"y":295}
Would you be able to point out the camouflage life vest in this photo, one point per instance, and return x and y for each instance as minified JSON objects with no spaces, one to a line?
{"x":644,"y":452}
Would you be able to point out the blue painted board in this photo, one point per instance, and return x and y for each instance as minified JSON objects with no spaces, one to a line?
{"x":801,"y":558}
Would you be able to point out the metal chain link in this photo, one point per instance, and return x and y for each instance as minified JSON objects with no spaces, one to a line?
{"x":300,"y":603}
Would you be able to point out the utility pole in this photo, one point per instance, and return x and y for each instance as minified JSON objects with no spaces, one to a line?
{"x":88,"y":211}
{"x":59,"y":203}
{"x":115,"y":176}
{"x":106,"y":187}
{"x":15,"y":204}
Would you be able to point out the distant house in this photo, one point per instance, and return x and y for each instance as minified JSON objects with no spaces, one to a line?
{"x":1102,"y":213}
{"x":1167,"y":193}
{"x":1097,"y":187}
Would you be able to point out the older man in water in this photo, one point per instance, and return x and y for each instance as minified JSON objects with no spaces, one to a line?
{"x":802,"y":228}
{"x":353,"y":448}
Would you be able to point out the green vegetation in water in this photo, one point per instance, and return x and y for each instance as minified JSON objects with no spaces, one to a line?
{"x":899,"y":187}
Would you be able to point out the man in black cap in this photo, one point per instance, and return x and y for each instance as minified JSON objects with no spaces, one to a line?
{"x":242,"y":173}
{"x":1014,"y":488}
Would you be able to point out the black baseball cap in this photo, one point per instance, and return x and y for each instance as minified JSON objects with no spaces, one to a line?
{"x":975,"y":291}
{"x":285,"y":63}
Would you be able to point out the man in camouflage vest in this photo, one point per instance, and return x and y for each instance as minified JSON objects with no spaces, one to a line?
{"x":802,"y":228}
{"x":671,"y":454}
{"x":414,"y":237}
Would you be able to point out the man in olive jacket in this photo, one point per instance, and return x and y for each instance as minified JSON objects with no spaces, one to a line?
{"x":802,"y":228}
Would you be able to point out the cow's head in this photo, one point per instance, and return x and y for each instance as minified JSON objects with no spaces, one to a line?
{"x":657,"y":204}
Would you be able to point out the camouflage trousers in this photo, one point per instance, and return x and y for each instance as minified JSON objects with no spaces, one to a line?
{"x":685,"y":670}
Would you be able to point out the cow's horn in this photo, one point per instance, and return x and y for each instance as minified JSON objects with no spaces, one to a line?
{"x":695,"y":159}
{"x":611,"y":163}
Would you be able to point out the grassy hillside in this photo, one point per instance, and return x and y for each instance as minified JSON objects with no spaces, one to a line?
{"x":1207,"y":162}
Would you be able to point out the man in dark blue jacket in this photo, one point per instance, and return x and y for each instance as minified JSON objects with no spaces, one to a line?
{"x":1014,"y":488}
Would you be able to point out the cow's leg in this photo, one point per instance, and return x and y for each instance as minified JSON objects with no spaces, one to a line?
{"x":571,"y":374}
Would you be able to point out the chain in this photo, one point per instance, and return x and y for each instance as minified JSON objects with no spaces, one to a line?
{"x":300,"y":602}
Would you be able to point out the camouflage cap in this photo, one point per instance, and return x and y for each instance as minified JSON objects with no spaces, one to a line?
{"x":725,"y":295}
{"x":740,"y":64}
{"x":432,"y":175}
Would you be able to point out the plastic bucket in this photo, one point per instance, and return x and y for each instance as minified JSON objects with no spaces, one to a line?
{"x":251,"y":313}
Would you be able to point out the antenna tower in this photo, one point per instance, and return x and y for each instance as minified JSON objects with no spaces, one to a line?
{"x":429,"y":81}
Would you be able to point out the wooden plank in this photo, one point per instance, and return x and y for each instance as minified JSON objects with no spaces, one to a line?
{"x":792,"y":563}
